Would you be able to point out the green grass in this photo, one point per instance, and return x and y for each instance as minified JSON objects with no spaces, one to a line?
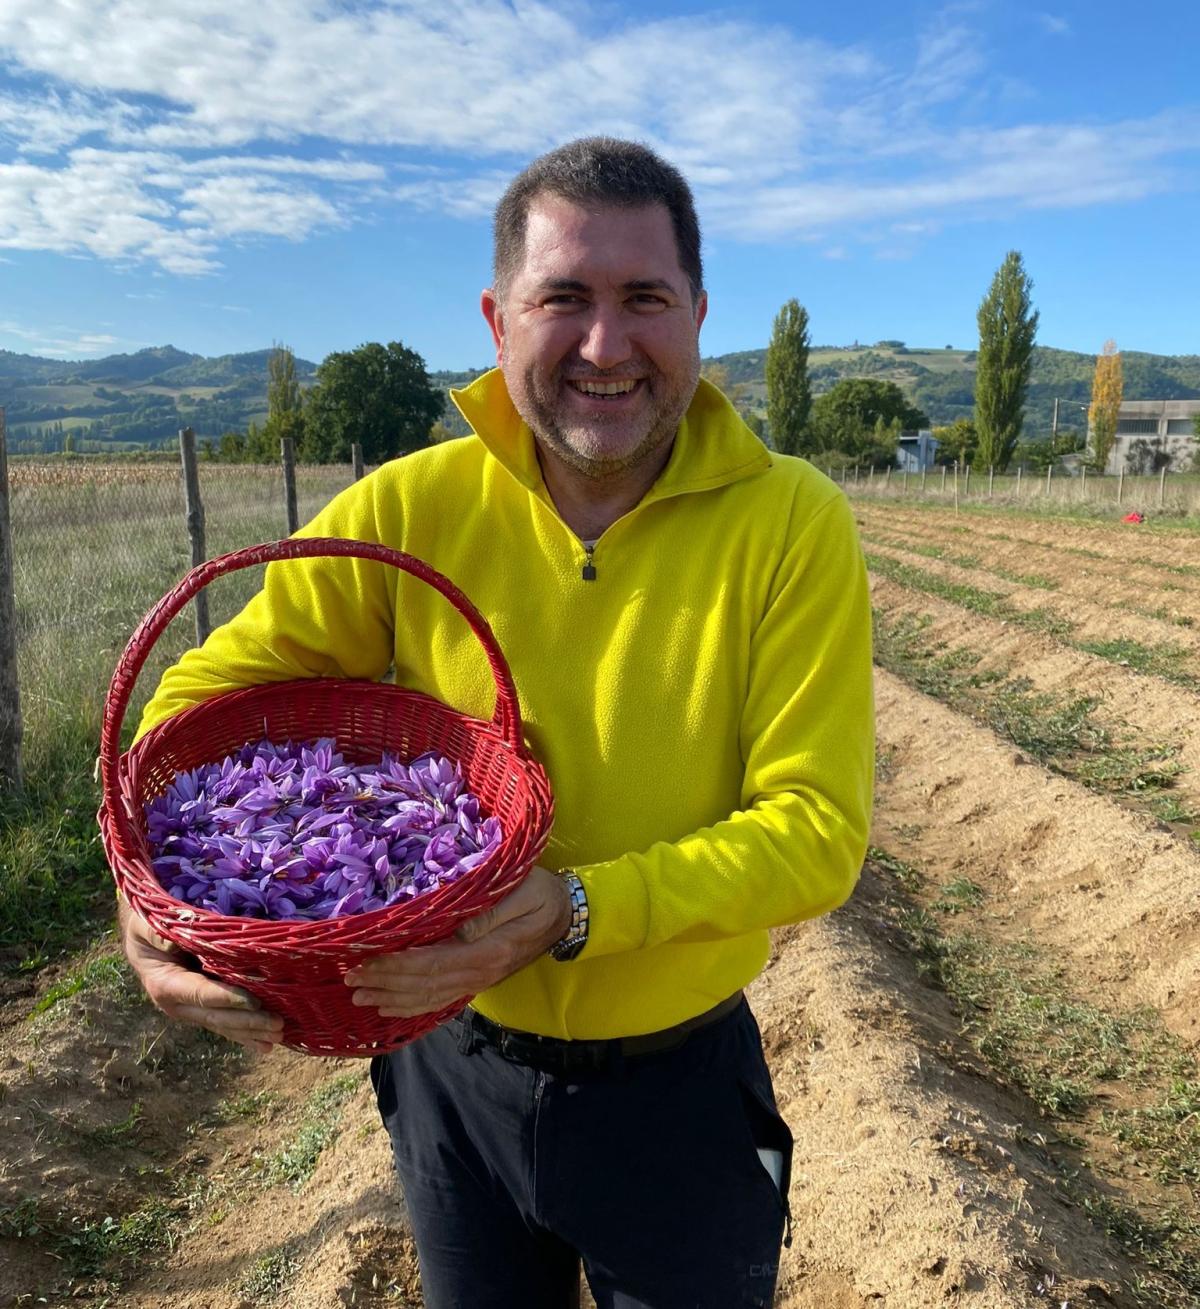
{"x":108,"y":974}
{"x":1155,"y":660}
{"x":270,"y":1275}
{"x":320,"y":1122}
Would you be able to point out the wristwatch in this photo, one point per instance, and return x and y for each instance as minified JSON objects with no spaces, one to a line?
{"x":568,"y":946}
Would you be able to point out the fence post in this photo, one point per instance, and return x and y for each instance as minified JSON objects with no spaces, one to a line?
{"x":855,"y":474}
{"x":991,"y":477}
{"x":923,"y":472}
{"x":10,"y":694}
{"x":287,"y":452}
{"x":967,"y":480}
{"x":356,"y":457}
{"x":1083,"y":481}
{"x":904,"y":485}
{"x":1162,"y":484}
{"x":1120,"y":485}
{"x":870,"y":477}
{"x":956,"y":486}
{"x":195,"y":524}
{"x":887,"y":481}
{"x":944,"y":477}
{"x":1018,"y":481}
{"x":1049,"y":471}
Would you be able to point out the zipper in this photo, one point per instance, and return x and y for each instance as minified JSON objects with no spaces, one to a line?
{"x":589,"y":568}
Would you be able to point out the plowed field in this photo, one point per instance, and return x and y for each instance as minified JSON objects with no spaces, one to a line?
{"x":987,"y":1058}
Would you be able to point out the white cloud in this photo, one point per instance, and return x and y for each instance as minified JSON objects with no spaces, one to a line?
{"x":1054,"y":24}
{"x":60,"y":342}
{"x":174,"y":127}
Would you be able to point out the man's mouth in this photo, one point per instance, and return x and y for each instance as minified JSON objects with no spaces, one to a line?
{"x":604,"y":390}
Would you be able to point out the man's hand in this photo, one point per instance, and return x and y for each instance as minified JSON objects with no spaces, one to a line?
{"x":187,"y":995}
{"x":490,"y":947}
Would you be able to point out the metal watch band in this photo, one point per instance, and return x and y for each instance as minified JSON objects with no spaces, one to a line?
{"x":575,"y":938}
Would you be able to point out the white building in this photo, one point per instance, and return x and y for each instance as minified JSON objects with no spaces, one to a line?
{"x":916,"y":451}
{"x":1151,"y":433}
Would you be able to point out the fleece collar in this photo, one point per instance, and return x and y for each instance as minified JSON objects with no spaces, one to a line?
{"x":712,"y":448}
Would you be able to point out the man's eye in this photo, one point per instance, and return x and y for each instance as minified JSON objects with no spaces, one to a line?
{"x":565,"y":300}
{"x":648,"y":301}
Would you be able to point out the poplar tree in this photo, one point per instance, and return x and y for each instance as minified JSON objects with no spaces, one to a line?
{"x":789,"y":396}
{"x":1007,"y":328}
{"x":1107,"y":386}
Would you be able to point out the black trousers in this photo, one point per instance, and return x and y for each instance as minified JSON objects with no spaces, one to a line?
{"x":647,"y":1171}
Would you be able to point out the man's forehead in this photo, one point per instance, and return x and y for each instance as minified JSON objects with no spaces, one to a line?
{"x":638,"y":242}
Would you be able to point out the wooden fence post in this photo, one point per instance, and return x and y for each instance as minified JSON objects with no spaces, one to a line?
{"x":1120,"y":485}
{"x":1083,"y":481}
{"x":887,"y":481}
{"x":991,"y":477}
{"x":1162,"y":484}
{"x":967,"y":481}
{"x":195,"y":524}
{"x":1019,"y":481}
{"x":357,"y":459}
{"x":956,"y":486}
{"x":855,"y":474}
{"x":944,"y":477}
{"x":904,"y":486}
{"x":10,"y":693}
{"x":1049,"y":471}
{"x":287,"y":452}
{"x":923,"y":473}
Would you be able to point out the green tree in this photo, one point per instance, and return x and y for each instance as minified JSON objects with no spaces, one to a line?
{"x":1007,"y":328}
{"x":846,"y":417}
{"x":379,"y":396}
{"x":957,"y":442}
{"x":285,"y":411}
{"x":789,"y":395}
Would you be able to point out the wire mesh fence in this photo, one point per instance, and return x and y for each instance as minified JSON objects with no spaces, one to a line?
{"x":94,"y":545}
{"x":1161,"y":493}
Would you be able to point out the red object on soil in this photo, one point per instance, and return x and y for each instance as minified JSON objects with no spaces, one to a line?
{"x":1134,"y":517}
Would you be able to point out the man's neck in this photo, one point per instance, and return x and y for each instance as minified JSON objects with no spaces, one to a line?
{"x":590,"y":506}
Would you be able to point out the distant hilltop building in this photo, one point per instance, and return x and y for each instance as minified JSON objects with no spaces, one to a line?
{"x":1153,"y":434}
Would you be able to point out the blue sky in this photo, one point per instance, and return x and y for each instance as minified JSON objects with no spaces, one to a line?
{"x":221,"y":175}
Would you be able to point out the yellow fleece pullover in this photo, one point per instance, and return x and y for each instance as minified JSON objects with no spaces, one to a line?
{"x":702,"y":705}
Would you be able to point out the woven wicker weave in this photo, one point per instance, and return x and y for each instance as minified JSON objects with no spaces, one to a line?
{"x":296,"y":968}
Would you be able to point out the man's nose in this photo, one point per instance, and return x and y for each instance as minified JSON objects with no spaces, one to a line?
{"x":606,"y":338}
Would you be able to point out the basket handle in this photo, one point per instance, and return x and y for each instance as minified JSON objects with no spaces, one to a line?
{"x":507,"y":715}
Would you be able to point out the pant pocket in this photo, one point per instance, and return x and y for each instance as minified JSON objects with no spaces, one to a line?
{"x":770,"y":1133}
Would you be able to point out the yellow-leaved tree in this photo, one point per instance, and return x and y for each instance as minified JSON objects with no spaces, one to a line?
{"x":1106,"y":404}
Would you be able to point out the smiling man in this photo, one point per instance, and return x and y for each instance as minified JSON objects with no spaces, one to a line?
{"x":686,"y":618}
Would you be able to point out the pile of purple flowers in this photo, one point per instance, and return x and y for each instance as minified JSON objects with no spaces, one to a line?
{"x":293,"y":831}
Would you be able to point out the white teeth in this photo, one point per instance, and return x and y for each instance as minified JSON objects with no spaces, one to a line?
{"x":606,"y":388}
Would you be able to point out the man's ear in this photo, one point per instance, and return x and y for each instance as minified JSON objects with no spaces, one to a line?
{"x":489,"y":302}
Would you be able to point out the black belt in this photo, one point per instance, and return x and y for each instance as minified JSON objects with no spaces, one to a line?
{"x":550,"y":1054}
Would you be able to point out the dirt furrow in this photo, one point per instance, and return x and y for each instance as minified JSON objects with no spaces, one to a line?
{"x":1138,"y":586}
{"x":1157,"y":549}
{"x":1092,"y":620}
{"x":1103,"y":887}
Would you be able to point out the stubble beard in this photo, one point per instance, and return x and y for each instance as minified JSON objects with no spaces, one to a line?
{"x":582,"y":448}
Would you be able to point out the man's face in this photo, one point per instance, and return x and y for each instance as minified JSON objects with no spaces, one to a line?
{"x":597,"y":335}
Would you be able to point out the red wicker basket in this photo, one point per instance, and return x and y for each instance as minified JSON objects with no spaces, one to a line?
{"x":296,"y":968}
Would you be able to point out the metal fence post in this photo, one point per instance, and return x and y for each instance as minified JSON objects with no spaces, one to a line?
{"x":357,"y":460}
{"x":10,"y":694}
{"x":287,"y":451}
{"x":195,"y":524}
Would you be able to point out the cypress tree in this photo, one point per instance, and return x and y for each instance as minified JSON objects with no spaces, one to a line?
{"x":1007,"y":327}
{"x":789,"y":395}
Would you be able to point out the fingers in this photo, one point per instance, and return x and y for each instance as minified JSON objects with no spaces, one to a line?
{"x":258,"y":1030}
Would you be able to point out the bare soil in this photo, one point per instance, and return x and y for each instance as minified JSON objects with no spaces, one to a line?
{"x":925,"y":1172}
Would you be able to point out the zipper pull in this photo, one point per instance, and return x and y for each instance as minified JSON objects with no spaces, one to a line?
{"x":589,"y":568}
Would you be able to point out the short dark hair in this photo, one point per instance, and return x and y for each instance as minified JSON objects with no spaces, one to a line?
{"x":597,"y":170}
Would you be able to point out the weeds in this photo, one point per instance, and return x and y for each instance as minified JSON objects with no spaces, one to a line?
{"x":319,"y":1127}
{"x":1156,"y":660}
{"x":270,"y":1275}
{"x":108,"y":974}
